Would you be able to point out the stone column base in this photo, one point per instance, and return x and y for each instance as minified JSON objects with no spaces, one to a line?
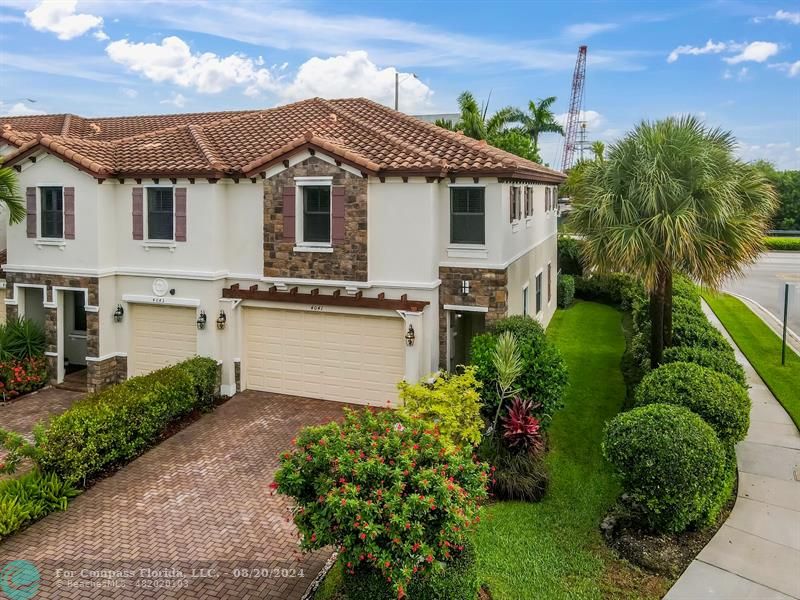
{"x":101,"y":374}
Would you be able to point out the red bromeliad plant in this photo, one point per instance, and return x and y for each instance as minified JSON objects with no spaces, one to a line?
{"x":521,"y":430}
{"x":390,"y":494}
{"x":19,"y":376}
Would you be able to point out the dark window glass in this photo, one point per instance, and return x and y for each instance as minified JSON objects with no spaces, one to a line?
{"x":317,"y":214}
{"x":525,"y":301}
{"x":79,"y":312}
{"x":160,"y":215}
{"x":467,"y":216}
{"x":538,"y":293}
{"x":52,"y":199}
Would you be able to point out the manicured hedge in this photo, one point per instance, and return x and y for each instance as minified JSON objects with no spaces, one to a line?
{"x":782,"y":243}
{"x":30,"y":497}
{"x":617,"y":289}
{"x":566,"y":290}
{"x":721,"y":361}
{"x":671,"y":464}
{"x":718,"y":399}
{"x":544,"y":375}
{"x":113,"y":426}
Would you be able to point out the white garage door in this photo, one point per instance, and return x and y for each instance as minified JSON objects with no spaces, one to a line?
{"x":162,"y":335}
{"x":333,"y":356}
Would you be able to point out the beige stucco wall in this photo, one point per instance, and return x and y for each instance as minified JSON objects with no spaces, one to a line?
{"x":523,"y":272}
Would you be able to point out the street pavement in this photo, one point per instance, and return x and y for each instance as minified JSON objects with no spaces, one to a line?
{"x":763,"y":283}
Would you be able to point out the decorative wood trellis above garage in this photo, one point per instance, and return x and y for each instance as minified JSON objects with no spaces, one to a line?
{"x":358,"y":300}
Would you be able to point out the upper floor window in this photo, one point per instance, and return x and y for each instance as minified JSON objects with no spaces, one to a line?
{"x":52,"y":201}
{"x":467,"y":216}
{"x":528,"y":201}
{"x":160,"y":214}
{"x":317,"y":214}
{"x":515,"y":196}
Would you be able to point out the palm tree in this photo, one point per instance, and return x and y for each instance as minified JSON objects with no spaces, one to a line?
{"x":472,"y":120}
{"x":671,"y":196}
{"x":538,"y":119}
{"x":10,"y":197}
{"x":599,"y":150}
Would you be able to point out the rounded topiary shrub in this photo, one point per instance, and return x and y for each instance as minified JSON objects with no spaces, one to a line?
{"x":723,"y":403}
{"x":696,"y":331}
{"x":544,"y":373}
{"x":718,"y":360}
{"x":670,"y":463}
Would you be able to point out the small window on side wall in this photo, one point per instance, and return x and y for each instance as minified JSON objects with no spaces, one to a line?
{"x":538,"y":293}
{"x":52,"y":201}
{"x":525,"y":307}
{"x":467,"y":216}
{"x":160,"y":214}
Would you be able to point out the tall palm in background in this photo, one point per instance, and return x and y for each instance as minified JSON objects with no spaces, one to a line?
{"x":472,"y":119}
{"x":539,"y":119}
{"x":671,"y":196}
{"x":10,"y":196}
{"x":599,"y":150}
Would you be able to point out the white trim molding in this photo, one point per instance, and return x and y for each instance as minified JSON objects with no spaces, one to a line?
{"x":107,"y":356}
{"x":460,"y":308}
{"x":143,"y":299}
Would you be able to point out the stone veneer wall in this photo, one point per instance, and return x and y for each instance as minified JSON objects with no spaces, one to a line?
{"x":488,"y":288}
{"x":99,"y":374}
{"x":348,"y":261}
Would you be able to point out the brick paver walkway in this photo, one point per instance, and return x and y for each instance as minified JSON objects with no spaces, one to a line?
{"x":22,"y":414}
{"x":196,"y":511}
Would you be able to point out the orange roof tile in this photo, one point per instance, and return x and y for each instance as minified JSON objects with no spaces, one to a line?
{"x":360,"y":132}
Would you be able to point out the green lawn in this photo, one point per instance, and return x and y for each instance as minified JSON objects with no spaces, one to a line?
{"x":762,"y":348}
{"x":553,"y":549}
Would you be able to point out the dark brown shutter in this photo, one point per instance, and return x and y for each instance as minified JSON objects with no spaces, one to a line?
{"x":30,"y":207}
{"x":137,"y":210}
{"x":69,"y":213}
{"x":511,"y":210}
{"x":337,"y":214}
{"x":180,"y":214}
{"x":289,"y":200}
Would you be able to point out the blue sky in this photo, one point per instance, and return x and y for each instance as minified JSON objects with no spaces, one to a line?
{"x":734,"y":63}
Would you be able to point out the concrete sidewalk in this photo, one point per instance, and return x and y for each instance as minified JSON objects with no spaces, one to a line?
{"x":756,"y":553}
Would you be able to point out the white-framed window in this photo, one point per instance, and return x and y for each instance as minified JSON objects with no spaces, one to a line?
{"x":549,"y":283}
{"x":314,"y":214}
{"x":51,"y":209}
{"x":160,"y":212}
{"x":525,"y":300}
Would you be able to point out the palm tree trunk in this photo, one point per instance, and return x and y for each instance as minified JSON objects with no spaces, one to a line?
{"x":667,"y":308}
{"x":657,"y":298}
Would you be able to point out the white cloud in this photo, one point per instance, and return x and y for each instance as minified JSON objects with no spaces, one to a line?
{"x":740,"y":75}
{"x":754,"y":52}
{"x":19,"y":109}
{"x":594,"y":120}
{"x":782,"y":154}
{"x":354,"y":74}
{"x":791,"y":69}
{"x":711,"y":47}
{"x":100,"y":35}
{"x":129,"y":92}
{"x":173,"y":61}
{"x":59,"y":17}
{"x":584,"y":30}
{"x":177,"y":99}
{"x":792,"y":18}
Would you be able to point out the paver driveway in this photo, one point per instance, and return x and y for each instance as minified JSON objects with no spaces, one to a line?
{"x":196,"y":511}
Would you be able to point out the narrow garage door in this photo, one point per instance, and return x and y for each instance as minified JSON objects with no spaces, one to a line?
{"x":333,"y":356}
{"x":162,"y":335}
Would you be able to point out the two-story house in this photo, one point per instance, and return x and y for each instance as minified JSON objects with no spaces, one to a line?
{"x":326,"y":248}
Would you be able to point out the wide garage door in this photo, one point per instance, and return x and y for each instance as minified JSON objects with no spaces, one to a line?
{"x":162,"y":335}
{"x":333,"y":356}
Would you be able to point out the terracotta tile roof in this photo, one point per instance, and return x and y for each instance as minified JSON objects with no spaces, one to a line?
{"x":357,"y":131}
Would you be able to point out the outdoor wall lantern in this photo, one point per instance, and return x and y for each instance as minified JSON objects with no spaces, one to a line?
{"x":221,"y":319}
{"x":410,"y":337}
{"x":465,"y":287}
{"x":118,"y":313}
{"x":201,"y":320}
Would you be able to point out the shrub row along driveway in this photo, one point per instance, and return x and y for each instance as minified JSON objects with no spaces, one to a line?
{"x":196,"y":510}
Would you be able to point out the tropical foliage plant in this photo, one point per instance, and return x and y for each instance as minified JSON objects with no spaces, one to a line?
{"x":671,"y":196}
{"x":10,"y":195}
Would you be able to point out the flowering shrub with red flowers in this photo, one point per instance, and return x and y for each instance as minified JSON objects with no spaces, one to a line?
{"x":392,"y":495}
{"x":19,"y":376}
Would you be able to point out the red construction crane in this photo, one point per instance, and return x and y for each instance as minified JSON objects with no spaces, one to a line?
{"x":575,"y":109}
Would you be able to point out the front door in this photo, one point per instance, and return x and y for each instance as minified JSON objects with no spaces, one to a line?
{"x":463,"y":326}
